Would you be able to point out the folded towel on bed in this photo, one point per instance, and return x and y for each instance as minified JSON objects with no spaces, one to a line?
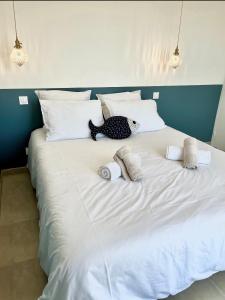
{"x":190,"y":153}
{"x":122,"y":167}
{"x":110,"y":171}
{"x":177,"y":153}
{"x":133,"y":165}
{"x":130,"y":163}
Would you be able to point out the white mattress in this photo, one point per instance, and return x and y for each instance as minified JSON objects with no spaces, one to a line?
{"x":121,"y":240}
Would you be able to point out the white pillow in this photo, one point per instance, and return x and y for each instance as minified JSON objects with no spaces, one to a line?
{"x":69,"y":119}
{"x":144,"y":112}
{"x":125,"y":96}
{"x":136,"y":95}
{"x":62,"y":95}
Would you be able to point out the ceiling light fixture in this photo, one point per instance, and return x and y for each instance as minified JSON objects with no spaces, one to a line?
{"x":18,"y":54}
{"x":175,"y":59}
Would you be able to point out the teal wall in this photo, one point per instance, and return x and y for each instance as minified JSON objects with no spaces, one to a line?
{"x":191,"y":109}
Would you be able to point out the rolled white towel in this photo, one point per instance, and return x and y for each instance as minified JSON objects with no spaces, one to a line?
{"x":174,"y":152}
{"x":190,"y":153}
{"x":110,"y":171}
{"x":204,"y":157}
{"x":177,"y":153}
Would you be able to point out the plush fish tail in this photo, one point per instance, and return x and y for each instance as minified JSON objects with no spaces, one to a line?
{"x":94,"y":130}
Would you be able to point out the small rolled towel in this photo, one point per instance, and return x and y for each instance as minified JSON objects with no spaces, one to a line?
{"x":190,"y":153}
{"x":174,"y":152}
{"x":177,"y":153}
{"x":110,"y":171}
{"x":131,"y":162}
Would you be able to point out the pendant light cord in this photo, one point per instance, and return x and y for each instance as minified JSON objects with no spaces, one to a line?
{"x":181,"y":13}
{"x":14,"y":14}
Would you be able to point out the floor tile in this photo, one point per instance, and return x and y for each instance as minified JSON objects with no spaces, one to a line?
{"x":18,"y":199}
{"x":200,"y":290}
{"x":6,"y":286}
{"x":25,"y":240}
{"x":28,"y":280}
{"x":219,"y":280}
{"x":6,"y":257}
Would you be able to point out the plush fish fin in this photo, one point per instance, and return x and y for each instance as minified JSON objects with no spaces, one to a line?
{"x":94,"y":130}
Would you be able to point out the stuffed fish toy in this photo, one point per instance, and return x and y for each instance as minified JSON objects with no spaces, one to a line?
{"x":116,"y":127}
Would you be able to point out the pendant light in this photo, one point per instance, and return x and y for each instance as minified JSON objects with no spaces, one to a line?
{"x":18,"y":54}
{"x":175,"y":59}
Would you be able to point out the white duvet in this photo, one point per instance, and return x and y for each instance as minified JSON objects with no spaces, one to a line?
{"x":121,"y":240}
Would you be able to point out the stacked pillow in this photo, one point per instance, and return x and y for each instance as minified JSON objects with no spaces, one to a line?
{"x":69,"y":119}
{"x":136,"y":95}
{"x":65,"y":95}
{"x":144,"y":112}
{"x":128,"y":104}
{"x":125,"y":96}
{"x":66,"y":114}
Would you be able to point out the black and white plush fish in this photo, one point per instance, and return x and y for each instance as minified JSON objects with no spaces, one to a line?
{"x":116,"y":127}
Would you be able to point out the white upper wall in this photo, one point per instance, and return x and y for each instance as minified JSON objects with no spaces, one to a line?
{"x":112,"y":43}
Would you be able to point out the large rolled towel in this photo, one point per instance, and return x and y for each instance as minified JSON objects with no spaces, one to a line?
{"x":177,"y":153}
{"x":123,"y":151}
{"x":123,"y":168}
{"x":110,"y":171}
{"x":190,"y":153}
{"x":132,"y":163}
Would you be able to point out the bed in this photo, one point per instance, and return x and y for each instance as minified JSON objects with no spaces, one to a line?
{"x":122,"y":240}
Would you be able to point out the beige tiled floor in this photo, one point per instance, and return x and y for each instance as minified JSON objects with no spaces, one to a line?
{"x":21,"y":277}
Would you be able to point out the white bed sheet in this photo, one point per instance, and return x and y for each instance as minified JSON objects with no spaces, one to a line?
{"x":121,"y":240}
